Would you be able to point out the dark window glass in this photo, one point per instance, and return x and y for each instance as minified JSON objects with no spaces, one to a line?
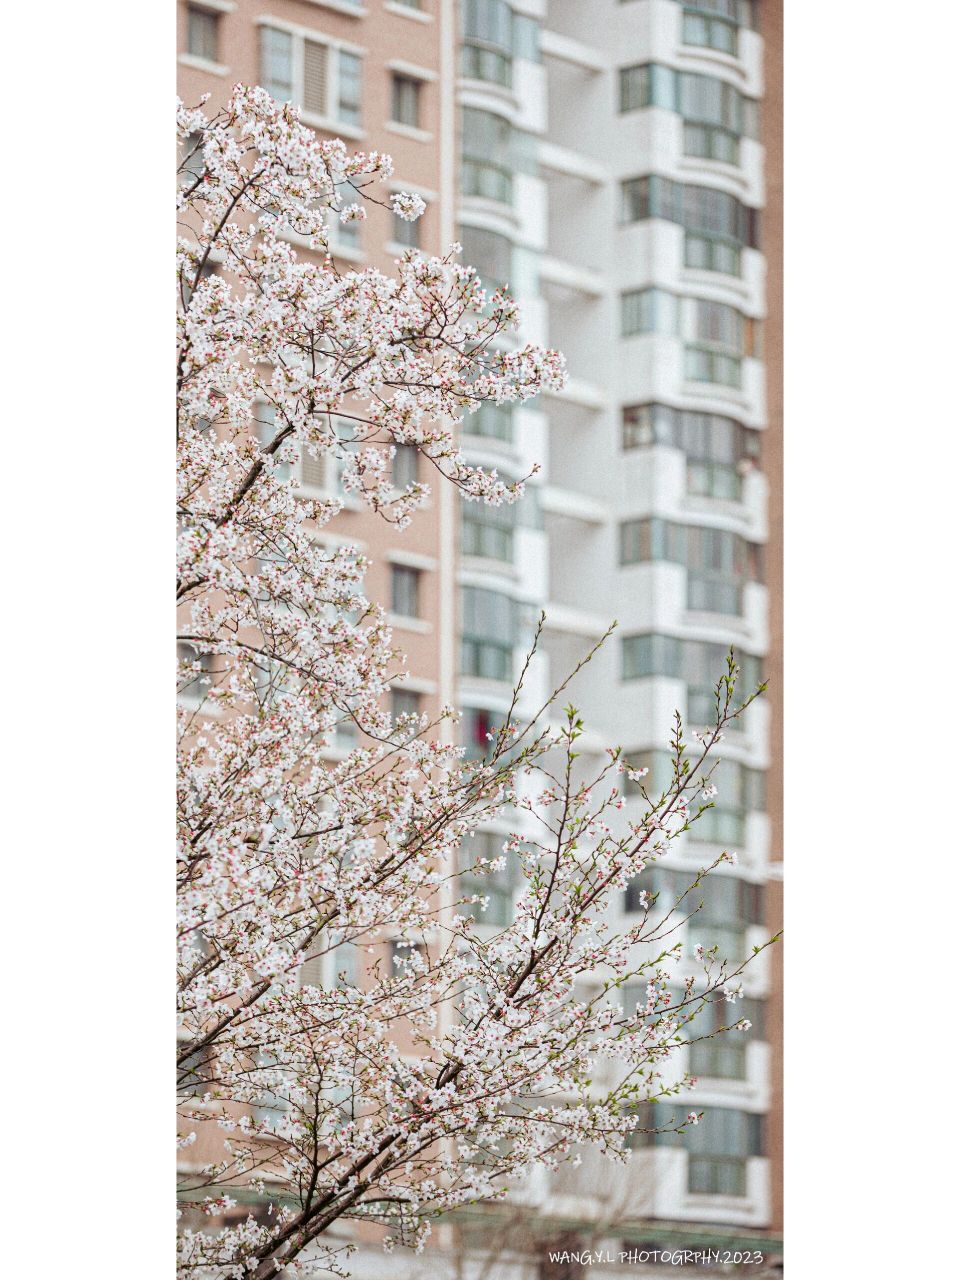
{"x":405,"y":591}
{"x":405,"y":232}
{"x":276,"y":63}
{"x":493,"y":421}
{"x":488,"y":530}
{"x":487,"y":49}
{"x":497,"y":886}
{"x":649,"y":311}
{"x":348,"y":103}
{"x":706,"y":29}
{"x":724,"y":1054}
{"x":488,"y":634}
{"x":405,"y":101}
{"x":404,"y":702}
{"x":406,"y":465}
{"x":476,"y":724}
{"x":489,"y":252}
{"x":487,"y":145}
{"x":202,"y":33}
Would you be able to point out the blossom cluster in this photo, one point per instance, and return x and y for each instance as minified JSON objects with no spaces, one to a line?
{"x":355,"y":1040}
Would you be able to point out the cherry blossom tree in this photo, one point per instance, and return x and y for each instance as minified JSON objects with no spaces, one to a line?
{"x":355,"y":1041}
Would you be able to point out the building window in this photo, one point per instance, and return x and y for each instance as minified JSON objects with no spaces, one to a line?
{"x":724,"y":1055}
{"x":330,"y":964}
{"x":497,"y":886}
{"x":643,"y":425}
{"x":715,"y":113}
{"x":722,"y":337}
{"x":526,"y":38}
{"x":478,"y":731}
{"x":265,"y":418}
{"x":649,"y":311}
{"x":491,"y":421}
{"x":718,"y":561}
{"x":487,"y":146}
{"x":405,"y":101}
{"x":730,"y":905}
{"x":323,"y":78}
{"x":714,"y":117}
{"x":721,"y":907}
{"x":634,"y":88}
{"x":202,"y":33}
{"x":193,"y":688}
{"x":405,"y":591}
{"x":276,"y":63}
{"x":404,"y":702}
{"x":490,"y":253}
{"x":709,"y":253}
{"x":343,"y":235}
{"x":192,"y":162}
{"x":273,"y":1087}
{"x":719,"y":1147}
{"x":406,"y":465}
{"x":349,"y":88}
{"x":488,"y":634}
{"x":488,"y":530}
{"x":701,"y":211}
{"x":718,"y":449}
{"x":700,"y":664}
{"x":486,"y":52}
{"x":711,"y":24}
{"x":195,"y":1075}
{"x":717,"y":567}
{"x":405,"y":232}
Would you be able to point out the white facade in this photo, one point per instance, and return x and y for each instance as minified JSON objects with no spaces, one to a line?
{"x":573,"y":254}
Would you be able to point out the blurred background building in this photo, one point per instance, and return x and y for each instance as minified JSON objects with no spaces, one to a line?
{"x":619,"y":164}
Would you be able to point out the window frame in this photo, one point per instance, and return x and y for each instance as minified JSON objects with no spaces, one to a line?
{"x":404,"y":232}
{"x":482,"y":52}
{"x":712,"y":22}
{"x":413,"y":578}
{"x":499,"y":887}
{"x":400,"y":694}
{"x":476,"y":723}
{"x":407,"y":472}
{"x":480,"y":176}
{"x":487,"y":645}
{"x":488,"y":532}
{"x":490,"y":422}
{"x":334,"y":118}
{"x":651,"y":423}
{"x":406,"y":89}
{"x":212,"y":18}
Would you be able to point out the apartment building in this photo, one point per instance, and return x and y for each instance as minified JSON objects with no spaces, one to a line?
{"x":370,"y":74}
{"x":618,"y":164}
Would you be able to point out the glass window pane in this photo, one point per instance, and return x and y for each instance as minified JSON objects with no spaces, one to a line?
{"x":635,"y":88}
{"x":202,"y":34}
{"x":406,"y":465}
{"x":405,"y":101}
{"x":276,"y":54}
{"x":405,"y":591}
{"x":349,"y":100}
{"x":405,"y":232}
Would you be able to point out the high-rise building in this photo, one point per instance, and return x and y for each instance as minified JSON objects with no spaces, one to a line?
{"x":618,"y":164}
{"x":371,"y":75}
